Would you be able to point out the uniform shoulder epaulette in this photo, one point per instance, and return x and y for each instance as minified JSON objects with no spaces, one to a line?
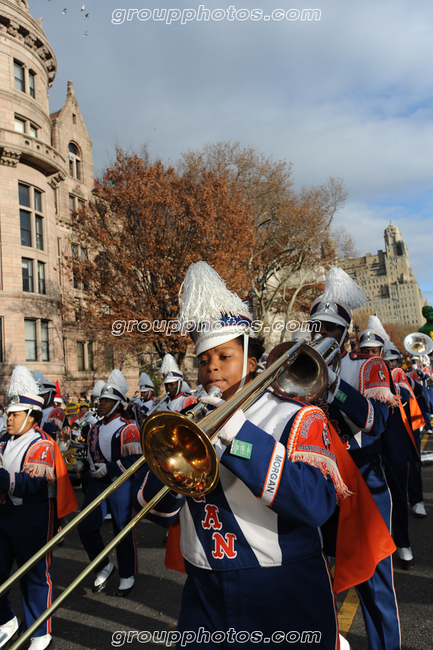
{"x":358,"y":355}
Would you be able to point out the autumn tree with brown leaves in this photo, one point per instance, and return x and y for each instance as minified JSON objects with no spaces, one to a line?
{"x":146,"y":225}
{"x":292,"y":246}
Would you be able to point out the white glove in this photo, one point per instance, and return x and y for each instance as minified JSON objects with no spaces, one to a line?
{"x":331,"y":377}
{"x":208,"y":399}
{"x":100,"y":471}
{"x":231,"y":428}
{"x":78,"y":466}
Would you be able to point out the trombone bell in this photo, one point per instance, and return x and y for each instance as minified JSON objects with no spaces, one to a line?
{"x":180,"y":453}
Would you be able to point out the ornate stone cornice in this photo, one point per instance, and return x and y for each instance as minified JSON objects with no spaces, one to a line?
{"x":10,"y":157}
{"x":55,"y":179}
{"x":16,"y":22}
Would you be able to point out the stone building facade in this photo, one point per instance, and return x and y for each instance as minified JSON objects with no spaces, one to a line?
{"x":46,"y":174}
{"x":394,"y":294}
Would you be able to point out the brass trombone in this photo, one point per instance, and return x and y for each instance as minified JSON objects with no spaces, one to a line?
{"x":182,"y":455}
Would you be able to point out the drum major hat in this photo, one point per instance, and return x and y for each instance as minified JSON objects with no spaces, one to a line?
{"x":169,"y":370}
{"x":211,"y":313}
{"x":374,"y":335}
{"x":145,"y":382}
{"x":23,"y":391}
{"x":116,"y":387}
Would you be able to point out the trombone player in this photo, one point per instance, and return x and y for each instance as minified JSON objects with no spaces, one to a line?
{"x":252,"y":548}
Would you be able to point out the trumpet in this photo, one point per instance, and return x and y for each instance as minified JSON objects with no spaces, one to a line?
{"x":182,"y":454}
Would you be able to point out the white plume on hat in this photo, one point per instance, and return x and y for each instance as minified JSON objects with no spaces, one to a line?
{"x":22,"y":382}
{"x":169,"y":369}
{"x":340,"y":287}
{"x":97,"y":388}
{"x":116,"y":382}
{"x":374,"y":335}
{"x":376,"y":326}
{"x":23,"y":385}
{"x":340,"y":297}
{"x":205,"y":296}
{"x":390,"y":350}
{"x":145,"y":381}
{"x":215,"y":314}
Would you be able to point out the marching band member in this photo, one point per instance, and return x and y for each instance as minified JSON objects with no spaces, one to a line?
{"x":53,"y":416}
{"x":416,"y":497}
{"x":252,"y":547}
{"x":32,"y":474}
{"x":358,"y":406}
{"x":399,"y":450}
{"x":177,"y":399}
{"x":113,"y":446}
{"x":141,"y":405}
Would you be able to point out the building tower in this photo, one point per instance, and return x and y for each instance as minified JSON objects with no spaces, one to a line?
{"x":394,"y":294}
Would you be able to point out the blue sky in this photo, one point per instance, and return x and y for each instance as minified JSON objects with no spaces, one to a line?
{"x":348,"y":95}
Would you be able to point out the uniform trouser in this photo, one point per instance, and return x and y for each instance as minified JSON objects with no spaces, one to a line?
{"x":377,"y":595}
{"x":119,"y":504}
{"x":397,"y":475}
{"x":24,"y":530}
{"x":242,"y":608}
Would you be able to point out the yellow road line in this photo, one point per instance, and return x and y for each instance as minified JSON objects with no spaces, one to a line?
{"x":347,"y":611}
{"x":424,"y":441}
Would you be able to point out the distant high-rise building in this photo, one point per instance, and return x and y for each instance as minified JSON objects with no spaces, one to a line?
{"x":394,"y":294}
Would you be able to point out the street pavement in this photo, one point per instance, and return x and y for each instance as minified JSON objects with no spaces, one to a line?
{"x":88,"y":621}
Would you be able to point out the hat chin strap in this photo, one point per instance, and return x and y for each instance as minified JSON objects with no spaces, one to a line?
{"x":244,"y":367}
{"x":116,"y":403}
{"x":23,"y":424}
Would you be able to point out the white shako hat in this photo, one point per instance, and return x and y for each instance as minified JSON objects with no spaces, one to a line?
{"x":23,"y":391}
{"x":45,"y":386}
{"x":97,"y":388}
{"x":145,"y":382}
{"x":374,"y":335}
{"x":209,"y":311}
{"x":390,"y":351}
{"x":116,"y":387}
{"x":170,"y":370}
{"x":341,"y":295}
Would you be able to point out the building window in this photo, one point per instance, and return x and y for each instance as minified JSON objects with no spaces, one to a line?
{"x":19,"y":76}
{"x":84,"y":355}
{"x":90,"y":356}
{"x":80,"y":355}
{"x":72,"y":209}
{"x":56,"y":210}
{"x":25,"y":126}
{"x":74,"y":161}
{"x":41,"y":278}
{"x":30,"y":197}
{"x":45,"y":341}
{"x":30,"y":339}
{"x":32,"y":87}
{"x":109,"y":358}
{"x":26,"y":228}
{"x":39,"y":233}
{"x":27,"y":271}
{"x":20,"y":125}
{"x":59,"y":258}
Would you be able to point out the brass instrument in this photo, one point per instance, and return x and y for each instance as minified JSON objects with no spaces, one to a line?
{"x":182,"y":455}
{"x":418,"y":344}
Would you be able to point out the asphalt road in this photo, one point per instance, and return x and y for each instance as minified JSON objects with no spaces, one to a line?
{"x":87,"y":621}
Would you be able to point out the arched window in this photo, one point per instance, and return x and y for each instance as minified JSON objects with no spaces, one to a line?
{"x":74,"y":161}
